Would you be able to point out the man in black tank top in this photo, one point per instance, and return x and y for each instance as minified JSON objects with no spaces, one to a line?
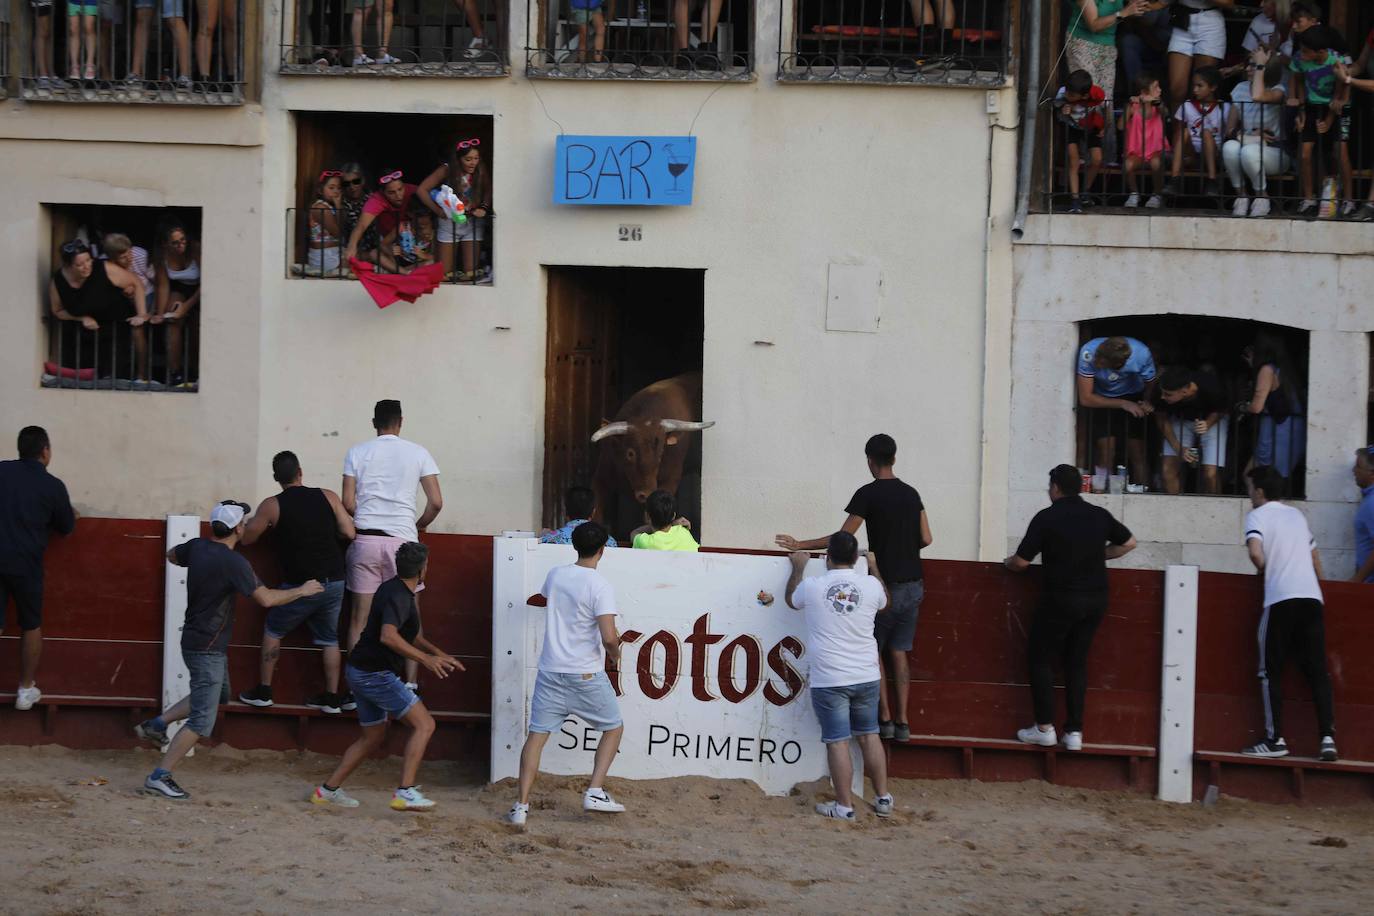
{"x":309,"y":526}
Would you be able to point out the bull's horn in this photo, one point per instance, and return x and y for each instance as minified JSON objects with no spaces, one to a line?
{"x":685,"y":426}
{"x":618,"y":428}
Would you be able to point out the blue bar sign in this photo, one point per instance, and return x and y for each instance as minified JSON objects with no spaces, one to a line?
{"x":625,"y":171}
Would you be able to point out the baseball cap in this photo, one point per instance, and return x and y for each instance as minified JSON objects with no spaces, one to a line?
{"x":229,"y":513}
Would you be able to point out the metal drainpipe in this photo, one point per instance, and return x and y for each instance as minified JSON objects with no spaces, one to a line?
{"x":1029,"y":111}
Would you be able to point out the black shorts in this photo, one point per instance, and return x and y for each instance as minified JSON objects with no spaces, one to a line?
{"x":1090,"y":139}
{"x":1339,"y":132}
{"x":1104,"y":422}
{"x":27,"y":594}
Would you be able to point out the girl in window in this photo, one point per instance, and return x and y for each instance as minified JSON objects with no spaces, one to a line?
{"x":322,"y":258}
{"x":468,"y":177}
{"x":178,"y":294}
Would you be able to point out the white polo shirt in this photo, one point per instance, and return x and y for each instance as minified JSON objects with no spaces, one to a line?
{"x":388,"y":471}
{"x":1288,"y":545}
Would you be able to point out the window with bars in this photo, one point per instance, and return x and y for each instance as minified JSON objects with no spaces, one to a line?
{"x":454,"y":38}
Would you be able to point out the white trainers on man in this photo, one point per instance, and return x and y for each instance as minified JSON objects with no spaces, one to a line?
{"x":883,"y":805}
{"x":835,"y":810}
{"x":1033,"y":735}
{"x":598,"y":800}
{"x":26,"y":697}
{"x":517,"y":814}
{"x":1073,"y":741}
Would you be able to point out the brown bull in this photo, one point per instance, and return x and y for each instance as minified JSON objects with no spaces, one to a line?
{"x":644,"y":447}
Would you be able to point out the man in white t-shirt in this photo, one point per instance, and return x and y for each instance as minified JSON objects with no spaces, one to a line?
{"x":380,"y":478}
{"x":579,"y":637}
{"x":1282,"y":547}
{"x":840,"y":608}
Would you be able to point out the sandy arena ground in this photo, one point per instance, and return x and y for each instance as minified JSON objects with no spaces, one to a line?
{"x":248,"y":842}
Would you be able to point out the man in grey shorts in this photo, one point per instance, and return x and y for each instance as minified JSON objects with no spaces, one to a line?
{"x":897,"y":531}
{"x":572,"y":670}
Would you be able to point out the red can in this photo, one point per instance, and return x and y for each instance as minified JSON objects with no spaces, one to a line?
{"x":1087,"y":483}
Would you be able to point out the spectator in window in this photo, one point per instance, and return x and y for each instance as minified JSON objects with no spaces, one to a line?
{"x":384,"y":207}
{"x":1366,"y":211}
{"x":470,"y":181}
{"x":1198,"y":41}
{"x":414,"y":245}
{"x":1192,"y":420}
{"x":1364,"y":515}
{"x":88,"y":291}
{"x":1270,"y":29}
{"x":705,"y":51}
{"x":1198,"y":127}
{"x":173,"y":12}
{"x":1255,"y":126}
{"x":591,"y":29}
{"x":1080,"y":106}
{"x":351,"y":208}
{"x":178,"y":295}
{"x":478,"y":43}
{"x":1116,"y":381}
{"x":1324,"y":115}
{"x":578,"y":505}
{"x":120,"y":250}
{"x":666,"y":529}
{"x":1281,"y":437}
{"x":361,"y":10}
{"x":42,"y":45}
{"x":81,"y":22}
{"x":111,"y":19}
{"x":1146,"y":142}
{"x":1090,"y":45}
{"x":322,"y":258}
{"x":224,"y":13}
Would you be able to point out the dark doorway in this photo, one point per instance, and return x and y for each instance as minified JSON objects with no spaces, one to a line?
{"x":611,"y":332}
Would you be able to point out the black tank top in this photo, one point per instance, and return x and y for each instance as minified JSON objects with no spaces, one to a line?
{"x":97,"y":297}
{"x":307,"y":536}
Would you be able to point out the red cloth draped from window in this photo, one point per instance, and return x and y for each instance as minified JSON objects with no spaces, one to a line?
{"x":388,"y":288}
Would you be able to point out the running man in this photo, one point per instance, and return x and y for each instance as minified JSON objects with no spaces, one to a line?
{"x":572,"y":680}
{"x":390,"y":639}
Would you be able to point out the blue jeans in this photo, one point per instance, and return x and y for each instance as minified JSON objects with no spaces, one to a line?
{"x":209,"y":688}
{"x":846,"y":712}
{"x":379,"y":694}
{"x":320,"y":611}
{"x":590,"y":697}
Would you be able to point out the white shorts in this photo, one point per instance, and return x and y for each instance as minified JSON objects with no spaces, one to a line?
{"x":1205,"y":37}
{"x":449,"y":231}
{"x":322,"y":260}
{"x":1212,"y":446}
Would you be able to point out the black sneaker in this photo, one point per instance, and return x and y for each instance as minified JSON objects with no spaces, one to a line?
{"x":885,"y":729}
{"x":260,"y":695}
{"x":1328,"y":751}
{"x":1075,"y":205}
{"x":346,"y":702}
{"x":165,"y":785}
{"x":901,"y":731}
{"x":325,"y":702}
{"x":1267,"y":748}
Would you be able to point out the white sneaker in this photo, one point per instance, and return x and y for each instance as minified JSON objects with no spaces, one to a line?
{"x":1260,"y":207}
{"x":1307,"y":208}
{"x":1241,"y":207}
{"x":26,"y":697}
{"x":411,"y":799}
{"x":1132,"y":201}
{"x":833,"y":809}
{"x":476,"y":47}
{"x":517,"y":814}
{"x":1033,"y":735}
{"x":362,"y":60}
{"x":388,"y":59}
{"x":323,"y":796}
{"x":1154,"y":203}
{"x":1073,"y":741}
{"x":598,"y":800}
{"x":1347,"y":209}
{"x":883,"y":805}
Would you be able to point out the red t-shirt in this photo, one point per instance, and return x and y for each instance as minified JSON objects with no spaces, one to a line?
{"x":387,"y":215}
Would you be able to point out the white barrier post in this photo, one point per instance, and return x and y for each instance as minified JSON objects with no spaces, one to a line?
{"x":508,"y":647}
{"x":176,"y":680}
{"x":1178,"y":684}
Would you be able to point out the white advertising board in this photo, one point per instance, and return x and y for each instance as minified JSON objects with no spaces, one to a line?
{"x":713,"y":679}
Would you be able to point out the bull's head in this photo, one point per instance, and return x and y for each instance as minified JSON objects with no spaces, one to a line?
{"x":638,"y":450}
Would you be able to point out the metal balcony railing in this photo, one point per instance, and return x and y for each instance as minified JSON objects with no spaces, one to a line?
{"x":130,"y":51}
{"x":943,"y":42}
{"x":471,"y":256}
{"x":641,"y":40}
{"x":395,"y":38}
{"x":4,"y":50}
{"x":117,"y":357}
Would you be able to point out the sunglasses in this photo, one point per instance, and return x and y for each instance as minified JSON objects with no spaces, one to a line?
{"x":75,"y":246}
{"x":330,"y":173}
{"x":353,"y":182}
{"x":469,"y":144}
{"x":390,"y":177}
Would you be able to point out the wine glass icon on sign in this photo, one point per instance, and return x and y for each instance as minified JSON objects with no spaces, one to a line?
{"x":676,"y":166}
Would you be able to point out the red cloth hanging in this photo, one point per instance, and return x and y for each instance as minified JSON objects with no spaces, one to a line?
{"x":388,"y":288}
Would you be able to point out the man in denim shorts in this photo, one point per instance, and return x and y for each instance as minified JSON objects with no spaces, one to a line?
{"x":572,"y":677}
{"x":841,"y":607}
{"x":390,"y":638}
{"x":215,"y":576}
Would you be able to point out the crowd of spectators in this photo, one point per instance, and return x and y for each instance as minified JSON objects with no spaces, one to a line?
{"x":1269,"y":103}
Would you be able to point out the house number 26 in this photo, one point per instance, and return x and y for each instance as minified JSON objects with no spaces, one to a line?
{"x":631,"y":232}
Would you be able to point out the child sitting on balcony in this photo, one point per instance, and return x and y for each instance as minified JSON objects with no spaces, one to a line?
{"x":414,"y":245}
{"x":1145,"y":140}
{"x":1203,"y":118}
{"x":1079,"y":104}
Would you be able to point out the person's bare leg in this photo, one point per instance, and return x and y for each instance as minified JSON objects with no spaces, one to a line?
{"x":42,"y":45}
{"x":901,"y":685}
{"x":710,"y":17}
{"x":180,"y":746}
{"x":140,"y":336}
{"x":181,"y":37}
{"x":1157,"y":170}
{"x":681,"y":15}
{"x":421,"y":729}
{"x":1171,"y":465}
{"x":30,"y":650}
{"x":1306,"y":171}
{"x":362,"y":606}
{"x":1135,"y":458}
{"x":1209,"y":155}
{"x":358,"y":15}
{"x":88,"y":29}
{"x":529,"y":763}
{"x":1105,"y":452}
{"x":267,"y":659}
{"x":1073,"y":169}
{"x":332,"y":659}
{"x":177,"y":711}
{"x":469,"y":248}
{"x":841,"y":771}
{"x":1132,"y":163}
{"x":73,"y":47}
{"x":474,"y":18}
{"x":413,"y":667}
{"x":139,"y":55}
{"x":205,"y":34}
{"x":446,"y":256}
{"x":875,"y":762}
{"x":1211,"y":480}
{"x":366,"y":745}
{"x":584,"y":49}
{"x":1180,"y":73}
{"x":229,"y":42}
{"x":599,"y":39}
{"x":605,"y":756}
{"x":1347,"y":175}
{"x":1094,"y":167}
{"x":106,"y":54}
{"x":884,"y":708}
{"x":387,"y":14}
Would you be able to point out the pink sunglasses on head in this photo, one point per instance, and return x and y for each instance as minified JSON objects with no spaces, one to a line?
{"x":467,"y":144}
{"x":390,"y":177}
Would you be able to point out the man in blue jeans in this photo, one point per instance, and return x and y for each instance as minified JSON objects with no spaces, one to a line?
{"x":841,"y":607}
{"x":215,"y":577}
{"x":572,"y":676}
{"x":389,"y":639}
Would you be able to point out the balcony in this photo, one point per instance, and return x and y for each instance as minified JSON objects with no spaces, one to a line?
{"x":395,"y":38}
{"x":895,"y":42}
{"x":132,"y":52}
{"x":4,"y":51}
{"x":641,"y":40}
{"x":469,"y":260}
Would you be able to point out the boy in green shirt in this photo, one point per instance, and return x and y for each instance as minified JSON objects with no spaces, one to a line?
{"x":669,"y":532}
{"x":1325,"y":114}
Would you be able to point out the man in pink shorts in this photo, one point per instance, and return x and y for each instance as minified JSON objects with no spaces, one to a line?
{"x":380,"y":479}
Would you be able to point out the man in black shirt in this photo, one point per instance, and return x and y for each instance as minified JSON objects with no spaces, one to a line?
{"x":376,"y":664}
{"x":308,"y":526}
{"x":1073,"y":536}
{"x":897,"y":531}
{"x":1192,"y":419}
{"x":32,"y":503}
{"x":215,"y":576}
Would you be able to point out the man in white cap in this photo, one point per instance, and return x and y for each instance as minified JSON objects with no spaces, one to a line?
{"x":215,"y":577}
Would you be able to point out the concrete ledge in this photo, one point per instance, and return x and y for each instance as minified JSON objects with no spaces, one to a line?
{"x":1194,"y":233}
